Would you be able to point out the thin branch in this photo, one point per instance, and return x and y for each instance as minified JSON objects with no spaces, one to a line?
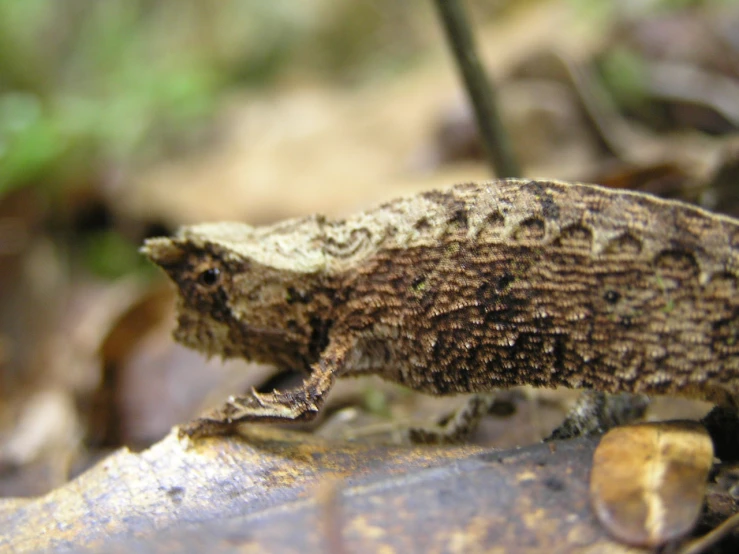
{"x":494,"y":138}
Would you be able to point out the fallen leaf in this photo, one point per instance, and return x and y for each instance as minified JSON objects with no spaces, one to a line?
{"x":273,"y":491}
{"x":649,"y":480}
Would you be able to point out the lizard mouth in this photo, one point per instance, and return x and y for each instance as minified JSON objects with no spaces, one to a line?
{"x":193,"y":329}
{"x":203,"y":334}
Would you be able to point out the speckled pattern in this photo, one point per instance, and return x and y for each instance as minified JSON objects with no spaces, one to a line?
{"x":469,"y":289}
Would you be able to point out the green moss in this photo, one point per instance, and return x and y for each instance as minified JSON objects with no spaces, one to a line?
{"x":419,"y":286}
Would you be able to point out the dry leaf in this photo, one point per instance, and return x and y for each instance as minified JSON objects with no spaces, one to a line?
{"x":649,"y":480}
{"x":272,"y":493}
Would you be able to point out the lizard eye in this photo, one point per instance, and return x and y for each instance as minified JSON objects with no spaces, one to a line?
{"x":209,"y":277}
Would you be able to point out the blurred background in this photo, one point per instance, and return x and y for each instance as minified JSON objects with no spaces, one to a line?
{"x":124,"y":119}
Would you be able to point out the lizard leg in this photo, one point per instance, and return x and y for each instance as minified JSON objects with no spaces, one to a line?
{"x":300,"y":404}
{"x":459,"y":426}
{"x":595,"y":412}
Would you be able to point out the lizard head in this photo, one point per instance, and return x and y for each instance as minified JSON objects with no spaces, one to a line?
{"x":246,"y":293}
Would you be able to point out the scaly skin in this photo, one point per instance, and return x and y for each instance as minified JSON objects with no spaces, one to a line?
{"x":475,"y":288}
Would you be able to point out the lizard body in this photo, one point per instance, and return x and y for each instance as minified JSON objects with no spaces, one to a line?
{"x":474,"y":288}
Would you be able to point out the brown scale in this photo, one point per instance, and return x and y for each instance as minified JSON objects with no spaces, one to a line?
{"x":467,"y":290}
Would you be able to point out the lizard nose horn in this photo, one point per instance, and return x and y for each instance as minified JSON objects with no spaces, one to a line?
{"x":162,"y":251}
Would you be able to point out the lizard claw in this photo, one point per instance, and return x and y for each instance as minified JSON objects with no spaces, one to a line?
{"x":204,"y":427}
{"x":259,"y":398}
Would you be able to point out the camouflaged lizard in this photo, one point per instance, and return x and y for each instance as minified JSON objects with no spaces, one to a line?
{"x":470,"y":289}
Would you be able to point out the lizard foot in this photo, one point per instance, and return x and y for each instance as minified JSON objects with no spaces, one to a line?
{"x":596,"y":412}
{"x":459,"y":426}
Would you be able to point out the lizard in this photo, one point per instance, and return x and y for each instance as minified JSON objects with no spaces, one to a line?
{"x":467,"y":290}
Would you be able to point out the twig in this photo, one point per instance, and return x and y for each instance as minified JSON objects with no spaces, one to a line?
{"x":494,"y":138}
{"x":707,"y":541}
{"x":329,"y":503}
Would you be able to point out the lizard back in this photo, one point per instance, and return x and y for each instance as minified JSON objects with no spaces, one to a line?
{"x":543,"y":283}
